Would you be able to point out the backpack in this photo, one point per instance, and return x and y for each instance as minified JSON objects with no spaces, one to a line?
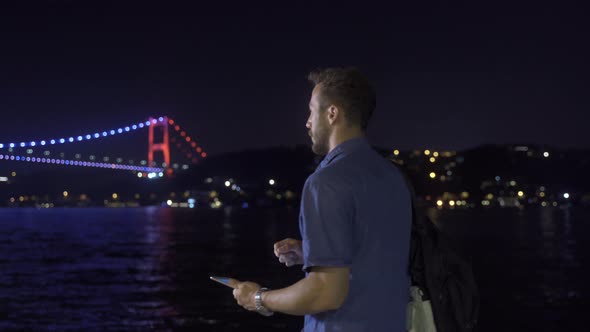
{"x":443,"y":287}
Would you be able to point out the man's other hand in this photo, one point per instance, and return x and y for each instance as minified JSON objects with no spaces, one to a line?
{"x":289,"y":252}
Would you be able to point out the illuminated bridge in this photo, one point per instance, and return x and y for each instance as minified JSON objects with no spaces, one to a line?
{"x":171,"y":134}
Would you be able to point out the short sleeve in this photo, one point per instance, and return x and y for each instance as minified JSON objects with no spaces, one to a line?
{"x":326,"y":224}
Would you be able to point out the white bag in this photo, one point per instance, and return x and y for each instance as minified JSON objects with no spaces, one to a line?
{"x":419,"y":313}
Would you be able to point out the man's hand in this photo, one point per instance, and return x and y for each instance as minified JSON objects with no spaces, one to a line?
{"x":289,"y":252}
{"x":244,"y":293}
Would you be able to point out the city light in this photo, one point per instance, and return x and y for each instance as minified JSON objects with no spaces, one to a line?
{"x":115,"y":196}
{"x":432,"y":175}
{"x":169,"y":202}
{"x":435,"y":154}
{"x":452,"y":203}
{"x":427,"y":152}
{"x":520,"y":193}
{"x":139,"y":174}
{"x":271,"y":182}
{"x":432,"y":159}
{"x":227,"y":183}
{"x":566,"y":195}
{"x":396,"y":152}
{"x":546,"y":154}
{"x":439,"y":203}
{"x":65,"y":194}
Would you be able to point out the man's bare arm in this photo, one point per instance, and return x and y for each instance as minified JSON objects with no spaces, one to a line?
{"x":324,"y":289}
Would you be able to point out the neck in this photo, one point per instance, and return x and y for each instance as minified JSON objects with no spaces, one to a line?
{"x":339,"y":137}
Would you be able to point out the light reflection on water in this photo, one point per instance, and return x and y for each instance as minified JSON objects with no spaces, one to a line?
{"x":132,"y":269}
{"x":147,"y":269}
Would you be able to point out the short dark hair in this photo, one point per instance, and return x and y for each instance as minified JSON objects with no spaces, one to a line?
{"x":349,"y":89}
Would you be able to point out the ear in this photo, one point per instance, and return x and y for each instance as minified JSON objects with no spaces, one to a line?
{"x":333,"y":114}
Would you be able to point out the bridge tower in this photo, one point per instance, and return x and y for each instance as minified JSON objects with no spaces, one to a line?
{"x":160,"y":146}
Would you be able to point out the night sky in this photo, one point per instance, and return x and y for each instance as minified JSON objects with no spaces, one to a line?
{"x":447,"y":77}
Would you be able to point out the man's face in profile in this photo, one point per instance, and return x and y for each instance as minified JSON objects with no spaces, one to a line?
{"x":317,"y":124}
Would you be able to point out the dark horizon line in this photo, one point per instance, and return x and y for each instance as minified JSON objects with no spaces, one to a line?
{"x":549,"y":147}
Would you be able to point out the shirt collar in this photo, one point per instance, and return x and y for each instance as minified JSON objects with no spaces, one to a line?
{"x":346,"y":147}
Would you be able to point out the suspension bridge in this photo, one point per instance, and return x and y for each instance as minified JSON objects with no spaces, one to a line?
{"x":171,"y":134}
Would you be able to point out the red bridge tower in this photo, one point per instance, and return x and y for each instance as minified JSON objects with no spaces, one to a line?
{"x":161,"y":146}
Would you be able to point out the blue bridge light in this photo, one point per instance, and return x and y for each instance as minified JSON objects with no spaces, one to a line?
{"x":131,"y":167}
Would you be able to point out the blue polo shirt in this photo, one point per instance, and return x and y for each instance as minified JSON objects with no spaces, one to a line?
{"x":356,"y":212}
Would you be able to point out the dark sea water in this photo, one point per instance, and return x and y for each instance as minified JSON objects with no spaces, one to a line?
{"x":147,"y":269}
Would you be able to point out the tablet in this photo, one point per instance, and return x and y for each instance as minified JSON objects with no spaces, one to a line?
{"x":222,"y":280}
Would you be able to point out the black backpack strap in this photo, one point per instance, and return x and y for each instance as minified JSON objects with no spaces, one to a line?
{"x":416,"y":258}
{"x":410,"y":189}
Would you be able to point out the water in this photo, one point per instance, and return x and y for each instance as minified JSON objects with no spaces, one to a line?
{"x":148,"y":268}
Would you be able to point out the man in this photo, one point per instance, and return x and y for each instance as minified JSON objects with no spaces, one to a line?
{"x":354,"y":221}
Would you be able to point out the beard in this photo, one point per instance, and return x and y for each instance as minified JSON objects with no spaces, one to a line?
{"x":320,"y":141}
